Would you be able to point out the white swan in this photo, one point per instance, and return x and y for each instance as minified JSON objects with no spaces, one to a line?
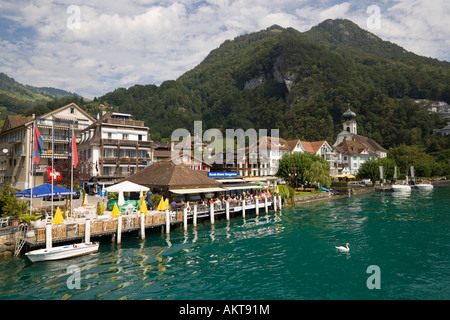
{"x":344,"y":249}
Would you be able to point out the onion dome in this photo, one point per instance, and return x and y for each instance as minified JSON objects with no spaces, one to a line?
{"x":349,"y":115}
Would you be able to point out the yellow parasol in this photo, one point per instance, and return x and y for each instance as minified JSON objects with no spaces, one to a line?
{"x":58,"y":218}
{"x":143,"y":208}
{"x":166,"y":204}
{"x":115,"y":212}
{"x":161,"y":205}
{"x":85,"y":200}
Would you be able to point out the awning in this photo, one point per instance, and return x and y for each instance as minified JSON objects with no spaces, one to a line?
{"x":350,"y":176}
{"x":196,"y":190}
{"x":246,"y":187}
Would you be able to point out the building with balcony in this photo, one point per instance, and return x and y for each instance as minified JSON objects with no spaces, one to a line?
{"x":117,"y":146}
{"x":16,"y":139}
{"x":324,"y":150}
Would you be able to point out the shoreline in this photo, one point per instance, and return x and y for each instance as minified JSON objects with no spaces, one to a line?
{"x":7,"y":241}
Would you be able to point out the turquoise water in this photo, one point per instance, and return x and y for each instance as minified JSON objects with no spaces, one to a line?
{"x":290,"y":255}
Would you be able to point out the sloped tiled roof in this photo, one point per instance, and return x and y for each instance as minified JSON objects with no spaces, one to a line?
{"x":312,"y":147}
{"x":12,"y":122}
{"x":166,"y":174}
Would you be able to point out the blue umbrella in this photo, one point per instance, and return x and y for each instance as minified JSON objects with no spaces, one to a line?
{"x":45,"y":190}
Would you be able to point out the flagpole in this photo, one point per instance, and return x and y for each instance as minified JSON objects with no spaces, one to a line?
{"x":71,"y":170}
{"x":53,"y":155}
{"x":32,"y":163}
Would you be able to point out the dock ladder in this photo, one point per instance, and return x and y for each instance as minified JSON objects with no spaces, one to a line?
{"x":20,"y":238}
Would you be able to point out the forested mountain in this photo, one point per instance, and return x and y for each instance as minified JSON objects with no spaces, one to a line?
{"x":300,"y":83}
{"x":16,"y":97}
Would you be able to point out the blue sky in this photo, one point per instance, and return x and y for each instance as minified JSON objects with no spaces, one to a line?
{"x":98,"y":46}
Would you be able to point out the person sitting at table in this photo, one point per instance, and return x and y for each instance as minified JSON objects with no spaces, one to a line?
{"x":173,"y":206}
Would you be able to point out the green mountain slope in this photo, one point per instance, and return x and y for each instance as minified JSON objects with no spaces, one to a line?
{"x":16,"y":97}
{"x":300,"y":83}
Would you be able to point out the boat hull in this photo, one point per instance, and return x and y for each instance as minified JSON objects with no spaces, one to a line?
{"x":62,"y":252}
{"x":424,"y":186}
{"x":401,"y":188}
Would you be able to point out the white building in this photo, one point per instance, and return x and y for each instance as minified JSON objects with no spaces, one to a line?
{"x":16,"y":139}
{"x":352,"y":149}
{"x":116,"y":145}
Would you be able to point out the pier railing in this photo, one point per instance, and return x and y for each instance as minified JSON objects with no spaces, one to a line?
{"x":74,"y":230}
{"x":99,"y":227}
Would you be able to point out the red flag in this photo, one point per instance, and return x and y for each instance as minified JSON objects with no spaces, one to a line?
{"x":74,"y":151}
{"x":38,"y":144}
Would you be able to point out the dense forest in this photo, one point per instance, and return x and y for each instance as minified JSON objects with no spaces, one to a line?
{"x":300,"y":83}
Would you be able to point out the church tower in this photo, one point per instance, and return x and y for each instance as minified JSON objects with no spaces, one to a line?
{"x":349,"y":123}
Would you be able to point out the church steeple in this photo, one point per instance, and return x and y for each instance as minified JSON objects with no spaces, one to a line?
{"x":349,"y":123}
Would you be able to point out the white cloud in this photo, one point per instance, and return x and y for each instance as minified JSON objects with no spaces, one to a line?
{"x":335,"y":12}
{"x":120,"y":43}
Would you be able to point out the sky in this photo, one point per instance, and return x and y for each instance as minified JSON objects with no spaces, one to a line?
{"x":93,"y":47}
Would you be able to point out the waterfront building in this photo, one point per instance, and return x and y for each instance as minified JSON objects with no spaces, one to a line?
{"x":266,"y":152}
{"x":117,"y":146}
{"x":323,"y":149}
{"x":160,"y":151}
{"x":187,"y":158}
{"x":352,"y":150}
{"x":168,"y":178}
{"x":16,"y":149}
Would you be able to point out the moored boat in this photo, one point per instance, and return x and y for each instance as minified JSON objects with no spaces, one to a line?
{"x":401,"y":187}
{"x":62,"y":252}
{"x":424,"y":186}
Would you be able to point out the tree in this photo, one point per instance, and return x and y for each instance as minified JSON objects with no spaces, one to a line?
{"x":371,"y":169}
{"x":405,"y":156}
{"x":9,"y":204}
{"x":294,"y":168}
{"x":319,"y":174}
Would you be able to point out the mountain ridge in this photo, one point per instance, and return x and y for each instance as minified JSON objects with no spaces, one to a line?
{"x":16,"y":97}
{"x":301,"y":83}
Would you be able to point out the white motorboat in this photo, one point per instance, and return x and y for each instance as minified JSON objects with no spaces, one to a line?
{"x":401,"y":187}
{"x":62,"y":252}
{"x":424,"y":186}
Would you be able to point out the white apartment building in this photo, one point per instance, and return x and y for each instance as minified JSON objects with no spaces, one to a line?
{"x":16,"y":138}
{"x":117,"y":146}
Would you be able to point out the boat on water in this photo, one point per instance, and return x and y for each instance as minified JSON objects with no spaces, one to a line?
{"x":424,"y":186}
{"x":62,"y":252}
{"x":401,"y":187}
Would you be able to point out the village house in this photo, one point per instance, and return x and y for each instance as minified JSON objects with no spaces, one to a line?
{"x":353,"y":149}
{"x":16,"y":138}
{"x":117,"y":146}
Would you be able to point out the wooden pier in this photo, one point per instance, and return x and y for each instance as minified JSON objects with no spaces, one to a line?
{"x":87,"y":229}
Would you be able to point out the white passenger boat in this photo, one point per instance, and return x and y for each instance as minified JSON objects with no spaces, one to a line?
{"x":401,"y":187}
{"x":62,"y":252}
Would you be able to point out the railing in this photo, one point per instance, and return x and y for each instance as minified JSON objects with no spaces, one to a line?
{"x":63,"y":232}
{"x":133,"y":123}
{"x":127,"y":143}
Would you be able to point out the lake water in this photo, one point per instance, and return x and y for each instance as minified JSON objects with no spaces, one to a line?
{"x":288,"y":255}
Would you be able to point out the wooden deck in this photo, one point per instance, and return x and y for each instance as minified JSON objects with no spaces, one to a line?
{"x":74,"y":231}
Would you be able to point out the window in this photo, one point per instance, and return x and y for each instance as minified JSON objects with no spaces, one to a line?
{"x":125,"y":136}
{"x":139,"y":137}
{"x":72,"y":110}
{"x":128,"y":153}
{"x":110,"y":153}
{"x":109,"y":135}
